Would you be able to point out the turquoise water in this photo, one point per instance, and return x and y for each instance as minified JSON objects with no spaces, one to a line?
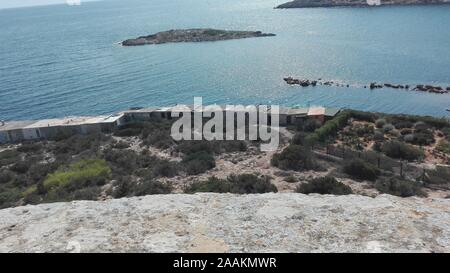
{"x":63,"y":60}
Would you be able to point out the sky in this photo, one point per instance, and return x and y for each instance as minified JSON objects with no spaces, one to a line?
{"x":4,"y":4}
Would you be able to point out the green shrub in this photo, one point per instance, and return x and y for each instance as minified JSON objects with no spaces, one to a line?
{"x":165,"y":168}
{"x":89,"y":193}
{"x":159,"y":139}
{"x":149,"y":187}
{"x":126,"y":187}
{"x":121,"y":145}
{"x":250,"y":183}
{"x":8,"y":157}
{"x":291,"y":179}
{"x":379,"y":123}
{"x":6,"y":176}
{"x":295,"y":157}
{"x":9,"y":197}
{"x":400,"y":150}
{"x":363,"y":116}
{"x":388,"y":128}
{"x":378,"y":136}
{"x":441,"y":175}
{"x":399,"y":187}
{"x":81,"y":173}
{"x":309,"y":125}
{"x":31,"y":147}
{"x":213,"y":184}
{"x":198,"y":163}
{"x":360,"y":169}
{"x":423,"y":137}
{"x":238,"y":184}
{"x":196,"y":146}
{"x":324,"y":185}
{"x":79,"y":143}
{"x":20,"y":167}
{"x":444,"y":146}
{"x":331,"y":127}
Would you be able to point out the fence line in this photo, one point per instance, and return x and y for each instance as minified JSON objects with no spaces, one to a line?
{"x":383,"y":162}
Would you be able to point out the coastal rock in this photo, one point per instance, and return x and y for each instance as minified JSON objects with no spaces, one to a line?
{"x":193,"y":35}
{"x":354,"y":3}
{"x":282,"y":222}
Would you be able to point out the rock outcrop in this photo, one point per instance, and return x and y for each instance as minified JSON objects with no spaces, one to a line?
{"x":280,"y":222}
{"x":193,"y":35}
{"x":355,"y":3}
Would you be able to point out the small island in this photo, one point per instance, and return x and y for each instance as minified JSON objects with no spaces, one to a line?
{"x":355,"y":3}
{"x":193,"y":35}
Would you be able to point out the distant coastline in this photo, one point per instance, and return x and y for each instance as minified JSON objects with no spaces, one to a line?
{"x":356,"y":3}
{"x":193,"y":35}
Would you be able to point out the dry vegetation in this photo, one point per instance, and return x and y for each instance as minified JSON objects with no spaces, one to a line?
{"x":142,"y":159}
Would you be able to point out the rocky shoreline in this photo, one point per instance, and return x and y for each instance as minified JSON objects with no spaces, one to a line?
{"x":193,"y":35}
{"x":373,"y":85}
{"x":355,"y":3}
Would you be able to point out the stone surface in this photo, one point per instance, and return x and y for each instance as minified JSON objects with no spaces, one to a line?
{"x":283,"y":222}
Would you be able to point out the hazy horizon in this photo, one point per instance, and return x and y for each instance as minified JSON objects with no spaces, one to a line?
{"x":7,"y":4}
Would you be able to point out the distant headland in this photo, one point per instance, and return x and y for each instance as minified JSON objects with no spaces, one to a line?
{"x":193,"y":35}
{"x":355,"y":3}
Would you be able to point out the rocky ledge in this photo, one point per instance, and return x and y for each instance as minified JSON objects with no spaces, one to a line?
{"x":193,"y":35}
{"x":355,"y":3}
{"x":282,"y":222}
{"x":372,"y":85}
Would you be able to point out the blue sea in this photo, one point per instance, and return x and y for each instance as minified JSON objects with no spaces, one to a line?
{"x":64,"y":60}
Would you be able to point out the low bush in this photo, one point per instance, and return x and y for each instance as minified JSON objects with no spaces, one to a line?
{"x":360,"y":169}
{"x":79,"y":143}
{"x":213,"y":184}
{"x":324,"y":185}
{"x":250,"y":183}
{"x":331,"y":127}
{"x":165,"y":168}
{"x":291,"y":179}
{"x":6,"y":176}
{"x":239,"y":184}
{"x":198,"y":163}
{"x":424,"y":137}
{"x":121,"y":145}
{"x":127,"y":187}
{"x":83,"y":173}
{"x":444,"y":146}
{"x":20,"y":167}
{"x":399,"y":187}
{"x":31,"y":147}
{"x":295,"y":157}
{"x":8,"y":157}
{"x":400,"y":150}
{"x":441,"y":175}
{"x":388,"y":128}
{"x":9,"y":197}
{"x":379,"y":123}
{"x":149,"y":187}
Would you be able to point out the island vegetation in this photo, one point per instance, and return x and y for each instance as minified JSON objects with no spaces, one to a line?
{"x":193,"y":35}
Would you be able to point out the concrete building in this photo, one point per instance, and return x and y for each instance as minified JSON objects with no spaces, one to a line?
{"x":17,"y":131}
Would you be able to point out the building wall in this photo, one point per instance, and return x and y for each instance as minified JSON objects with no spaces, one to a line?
{"x":4,"y":137}
{"x":31,"y":133}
